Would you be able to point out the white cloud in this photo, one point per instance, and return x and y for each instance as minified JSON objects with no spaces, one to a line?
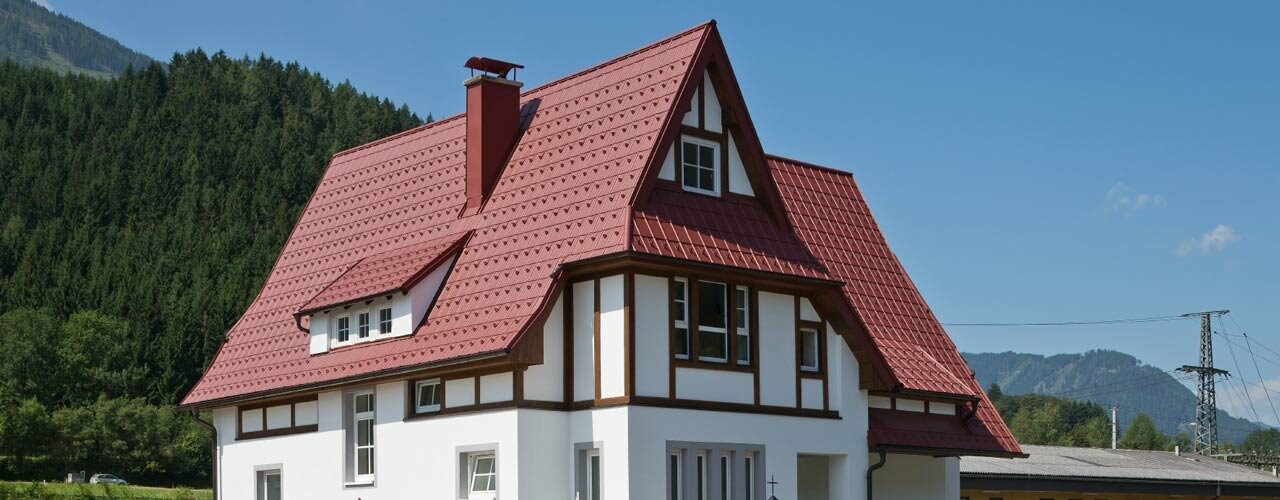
{"x":1216,"y":239}
{"x":1124,"y":199}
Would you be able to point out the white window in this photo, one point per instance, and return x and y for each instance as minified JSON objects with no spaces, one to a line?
{"x":482,"y":476}
{"x":344,"y":329}
{"x":593,"y":475}
{"x":726,"y":481}
{"x":680,"y":304}
{"x":749,"y":477}
{"x":362,"y":325}
{"x":742,"y":310}
{"x":362,"y":418}
{"x":674,"y":478}
{"x":384,"y":321}
{"x":809,"y":350}
{"x":713,"y":327}
{"x":427,"y":395}
{"x":269,"y":485}
{"x":700,"y":169}
{"x":701,"y":485}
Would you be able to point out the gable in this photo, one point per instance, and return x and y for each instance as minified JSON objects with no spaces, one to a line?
{"x":563,"y":196}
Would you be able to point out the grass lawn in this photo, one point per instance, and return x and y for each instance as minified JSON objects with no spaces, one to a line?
{"x":61,"y":491}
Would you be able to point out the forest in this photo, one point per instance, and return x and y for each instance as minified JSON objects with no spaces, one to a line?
{"x":138,"y":217}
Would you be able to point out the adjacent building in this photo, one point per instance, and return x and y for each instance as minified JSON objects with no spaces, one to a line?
{"x":1062,"y":473}
{"x":598,"y":288}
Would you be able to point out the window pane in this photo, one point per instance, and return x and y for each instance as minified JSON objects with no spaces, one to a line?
{"x":364,"y":403}
{"x":429,"y":394}
{"x":809,"y":349}
{"x":362,"y":325}
{"x":484,"y":465}
{"x":740,"y":303}
{"x":364,"y":461}
{"x":707,"y":180}
{"x":364,"y":432}
{"x":384,"y":321}
{"x":711,"y":304}
{"x":595,"y":477}
{"x":702,"y":476}
{"x":682,"y":342}
{"x":344,"y":329}
{"x":673,"y":477}
{"x":690,"y":154}
{"x":747,"y":476}
{"x":744,"y":349}
{"x":724,"y":478}
{"x":690,"y":176}
{"x":706,"y":157}
{"x":712,"y":345}
{"x":681,"y":297}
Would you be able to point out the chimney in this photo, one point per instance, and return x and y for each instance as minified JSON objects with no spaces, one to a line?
{"x":493,"y":124}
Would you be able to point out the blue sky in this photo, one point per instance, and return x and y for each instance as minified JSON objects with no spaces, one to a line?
{"x":1028,"y":161}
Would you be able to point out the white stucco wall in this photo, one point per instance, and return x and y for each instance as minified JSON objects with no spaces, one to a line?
{"x":777,"y":349}
{"x":738,"y":181}
{"x":584,"y":381}
{"x":545,"y":382}
{"x":668,"y":170}
{"x":912,"y":477}
{"x":613,"y":340}
{"x":652,"y":335}
{"x":715,"y":385}
{"x":713,"y":119}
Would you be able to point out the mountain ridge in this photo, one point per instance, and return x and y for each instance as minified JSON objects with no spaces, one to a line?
{"x":35,"y":36}
{"x":1106,"y":378}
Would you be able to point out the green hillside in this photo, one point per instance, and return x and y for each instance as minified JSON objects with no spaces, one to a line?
{"x":33,"y":36}
{"x":1105,"y":378}
{"x":138,"y":217}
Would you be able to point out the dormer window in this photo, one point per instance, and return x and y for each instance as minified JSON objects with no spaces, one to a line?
{"x":384,"y":321}
{"x":362,"y":325}
{"x":700,"y":169}
{"x":344,"y":329}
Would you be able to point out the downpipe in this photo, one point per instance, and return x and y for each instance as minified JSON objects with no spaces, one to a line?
{"x":213,"y":483}
{"x":873,"y":468}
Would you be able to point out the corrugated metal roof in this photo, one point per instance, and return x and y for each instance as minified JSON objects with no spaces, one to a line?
{"x":835,"y":223}
{"x":1095,"y":463}
{"x":564,"y":196}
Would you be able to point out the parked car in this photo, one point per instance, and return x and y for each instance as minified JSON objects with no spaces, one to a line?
{"x":106,"y":479}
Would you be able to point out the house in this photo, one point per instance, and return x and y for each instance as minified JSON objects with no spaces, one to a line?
{"x":1063,"y":473}
{"x":598,"y":288}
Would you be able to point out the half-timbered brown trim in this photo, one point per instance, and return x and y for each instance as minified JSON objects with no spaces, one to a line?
{"x":595,"y":332}
{"x":293,"y":427}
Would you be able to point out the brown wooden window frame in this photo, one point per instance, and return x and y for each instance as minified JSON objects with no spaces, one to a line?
{"x":293,"y":427}
{"x":819,"y":330}
{"x":692,"y":327}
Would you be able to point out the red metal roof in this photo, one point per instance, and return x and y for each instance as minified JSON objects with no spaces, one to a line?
{"x":732,"y":231}
{"x":391,"y":271}
{"x":832,"y":218}
{"x":564,"y":196}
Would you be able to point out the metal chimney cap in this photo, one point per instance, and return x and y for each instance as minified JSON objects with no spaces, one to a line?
{"x":494,"y":66}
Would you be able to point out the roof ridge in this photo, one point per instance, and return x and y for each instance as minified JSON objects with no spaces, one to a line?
{"x":641,"y":50}
{"x":597,"y":67}
{"x":810,"y":165}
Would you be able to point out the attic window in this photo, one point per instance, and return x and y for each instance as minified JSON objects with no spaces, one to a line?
{"x":700,"y":170}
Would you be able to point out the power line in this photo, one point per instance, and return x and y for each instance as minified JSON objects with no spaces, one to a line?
{"x":1261,"y":381}
{"x":1241,"y":378}
{"x":1075,"y":323}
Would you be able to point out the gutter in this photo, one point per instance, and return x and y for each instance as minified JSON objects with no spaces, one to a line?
{"x":194,"y":415}
{"x":872,"y":468}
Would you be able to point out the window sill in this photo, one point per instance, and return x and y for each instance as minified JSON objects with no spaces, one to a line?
{"x":364,"y":483}
{"x":713,"y":365}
